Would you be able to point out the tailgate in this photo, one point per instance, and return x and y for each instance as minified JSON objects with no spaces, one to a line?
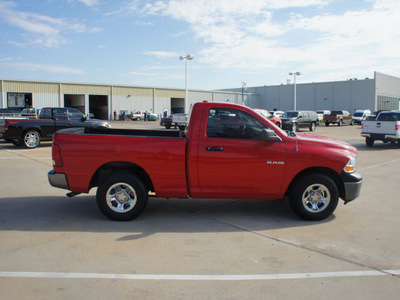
{"x":380,"y":127}
{"x":2,"y":125}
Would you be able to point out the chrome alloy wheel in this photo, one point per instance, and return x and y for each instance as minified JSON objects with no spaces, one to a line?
{"x":121,"y":197}
{"x":32,"y":139}
{"x":316,"y":198}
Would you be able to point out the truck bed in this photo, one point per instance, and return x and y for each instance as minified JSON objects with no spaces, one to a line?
{"x":122,"y":132}
{"x":130,"y":132}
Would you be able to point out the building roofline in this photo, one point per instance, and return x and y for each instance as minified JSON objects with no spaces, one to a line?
{"x":116,"y":85}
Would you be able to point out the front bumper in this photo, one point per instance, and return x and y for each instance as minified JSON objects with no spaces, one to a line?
{"x":58,"y":180}
{"x":380,"y":137}
{"x":287,"y":126}
{"x":352,"y":186}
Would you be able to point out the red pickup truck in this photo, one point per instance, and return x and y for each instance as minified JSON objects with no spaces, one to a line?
{"x":227,"y":152}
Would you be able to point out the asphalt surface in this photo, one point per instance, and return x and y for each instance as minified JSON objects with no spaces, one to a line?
{"x":54,"y":247}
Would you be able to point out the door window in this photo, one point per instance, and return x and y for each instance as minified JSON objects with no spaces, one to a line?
{"x":61,"y":114}
{"x":233,"y":124}
{"x":74,"y":114}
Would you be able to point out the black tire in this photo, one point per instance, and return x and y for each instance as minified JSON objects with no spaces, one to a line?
{"x":294,"y":127}
{"x":314,"y":197}
{"x":17,"y":143}
{"x":168,"y":126}
{"x":340,"y":123}
{"x":312,"y":126}
{"x":369,"y":141}
{"x":121,"y":196}
{"x":327,"y":123}
{"x":31,"y":139}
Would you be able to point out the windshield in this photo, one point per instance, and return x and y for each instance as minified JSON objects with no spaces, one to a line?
{"x":358,"y":114}
{"x":290,"y":114}
{"x":336,"y":112}
{"x":264,"y":113}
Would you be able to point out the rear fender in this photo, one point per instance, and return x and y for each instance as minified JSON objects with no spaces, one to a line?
{"x":121,"y":166}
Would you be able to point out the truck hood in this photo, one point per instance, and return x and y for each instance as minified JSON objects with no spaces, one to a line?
{"x":289,"y":119}
{"x":96,"y":122}
{"x":322,"y":141}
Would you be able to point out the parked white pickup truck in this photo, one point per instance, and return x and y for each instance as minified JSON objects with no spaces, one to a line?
{"x":385,"y":128}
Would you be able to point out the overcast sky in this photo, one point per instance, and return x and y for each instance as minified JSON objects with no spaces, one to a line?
{"x":139,"y":42}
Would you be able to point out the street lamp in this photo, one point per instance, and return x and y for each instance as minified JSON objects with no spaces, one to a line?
{"x":294,"y":74}
{"x":243,"y":89}
{"x":186,"y":59}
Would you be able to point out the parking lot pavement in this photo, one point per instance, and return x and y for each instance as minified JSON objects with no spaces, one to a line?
{"x":54,"y":247}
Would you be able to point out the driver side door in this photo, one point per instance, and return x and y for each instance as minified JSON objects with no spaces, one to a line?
{"x":233,"y":159}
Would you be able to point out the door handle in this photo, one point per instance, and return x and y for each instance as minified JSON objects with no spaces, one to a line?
{"x":214,"y":148}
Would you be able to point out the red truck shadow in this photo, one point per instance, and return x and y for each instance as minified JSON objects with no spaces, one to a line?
{"x":80,"y":214}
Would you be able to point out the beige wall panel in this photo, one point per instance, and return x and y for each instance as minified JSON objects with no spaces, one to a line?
{"x":85,"y":89}
{"x":164,"y":93}
{"x":31,"y":87}
{"x":133,"y":92}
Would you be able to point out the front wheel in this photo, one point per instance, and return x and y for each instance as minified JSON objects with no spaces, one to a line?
{"x":31,"y":139}
{"x":312,"y":126}
{"x":314,"y":197}
{"x":294,"y":127}
{"x":121,"y":196}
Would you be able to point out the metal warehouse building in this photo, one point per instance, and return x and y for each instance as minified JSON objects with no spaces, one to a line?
{"x":102,"y":100}
{"x":380,"y":93}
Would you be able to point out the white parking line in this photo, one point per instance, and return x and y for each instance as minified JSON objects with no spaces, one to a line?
{"x":380,"y":164}
{"x":51,"y":275}
{"x":23,"y":157}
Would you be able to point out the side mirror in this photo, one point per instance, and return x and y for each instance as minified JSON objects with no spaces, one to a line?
{"x":84,"y":118}
{"x":270,"y":135}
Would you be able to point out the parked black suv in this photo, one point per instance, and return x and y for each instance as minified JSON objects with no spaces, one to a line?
{"x":293,"y":120}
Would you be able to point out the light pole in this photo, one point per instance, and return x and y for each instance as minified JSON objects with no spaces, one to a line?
{"x":186,"y":59}
{"x":243,"y":88}
{"x":294,"y":74}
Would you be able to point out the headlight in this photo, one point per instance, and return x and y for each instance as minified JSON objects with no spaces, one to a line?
{"x":351,"y":165}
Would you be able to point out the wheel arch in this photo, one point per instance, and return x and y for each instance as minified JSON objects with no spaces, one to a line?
{"x":37,"y":129}
{"x":121,"y":166}
{"x":322,"y":170}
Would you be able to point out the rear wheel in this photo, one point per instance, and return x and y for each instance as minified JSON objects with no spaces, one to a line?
{"x":121,"y":196}
{"x":369,"y":142}
{"x":17,"y":143}
{"x":314,"y":197}
{"x":31,"y":139}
